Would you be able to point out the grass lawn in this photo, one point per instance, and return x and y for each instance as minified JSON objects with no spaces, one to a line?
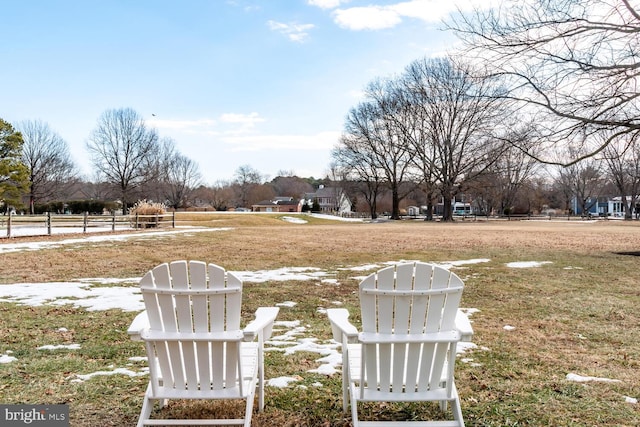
{"x":577,"y":312}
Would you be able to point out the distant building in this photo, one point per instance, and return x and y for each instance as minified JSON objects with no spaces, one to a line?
{"x":330,"y":199}
{"x":278,"y":204}
{"x":603,"y":206}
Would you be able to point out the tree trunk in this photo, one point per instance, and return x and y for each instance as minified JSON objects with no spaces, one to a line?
{"x":447,"y":213}
{"x":395,"y":203}
{"x":429,"y":214}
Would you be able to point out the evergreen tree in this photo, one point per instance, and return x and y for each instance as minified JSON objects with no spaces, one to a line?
{"x":14,"y":174}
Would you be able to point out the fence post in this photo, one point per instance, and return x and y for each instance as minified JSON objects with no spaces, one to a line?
{"x":9,"y":224}
{"x":49,"y":223}
{"x":113,"y":221}
{"x":157,"y":220}
{"x":137,"y":225}
{"x":173,"y":221}
{"x":84,"y":222}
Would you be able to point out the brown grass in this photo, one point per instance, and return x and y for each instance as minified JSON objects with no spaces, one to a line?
{"x":577,"y":314}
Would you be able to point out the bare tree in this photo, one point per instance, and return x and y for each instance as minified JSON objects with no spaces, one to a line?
{"x":290,"y":185}
{"x":181,"y":177}
{"x":355,"y":165}
{"x":573,"y":65}
{"x":513,"y":170}
{"x":622,"y":158}
{"x":47,"y":156}
{"x":122,"y":150}
{"x":376,"y":128}
{"x":458,"y":125}
{"x":245,"y":179}
{"x":584,"y":181}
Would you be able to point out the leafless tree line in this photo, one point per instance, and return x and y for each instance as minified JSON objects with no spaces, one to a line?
{"x":543,"y":82}
{"x":130,"y":160}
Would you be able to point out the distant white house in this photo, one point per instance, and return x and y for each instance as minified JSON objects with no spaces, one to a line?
{"x":330,"y":199}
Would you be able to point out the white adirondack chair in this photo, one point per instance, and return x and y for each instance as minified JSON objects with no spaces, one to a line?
{"x":406,"y":350}
{"x":196,"y":349}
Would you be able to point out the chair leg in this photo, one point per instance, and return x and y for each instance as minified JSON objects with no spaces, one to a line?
{"x":147,"y":407}
{"x":345,"y":379}
{"x":354,"y":405}
{"x":456,"y":409}
{"x":249,"y":409}
{"x":260,"y":387}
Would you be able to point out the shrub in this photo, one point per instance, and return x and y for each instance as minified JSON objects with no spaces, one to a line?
{"x":145,"y":214}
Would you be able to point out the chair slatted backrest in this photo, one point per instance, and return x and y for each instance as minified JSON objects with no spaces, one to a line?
{"x":402,"y":304}
{"x":187,"y":302}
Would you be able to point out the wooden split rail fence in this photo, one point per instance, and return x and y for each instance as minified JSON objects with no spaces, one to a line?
{"x":14,"y":225}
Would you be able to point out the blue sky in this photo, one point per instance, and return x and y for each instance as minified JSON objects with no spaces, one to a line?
{"x":239,"y":82}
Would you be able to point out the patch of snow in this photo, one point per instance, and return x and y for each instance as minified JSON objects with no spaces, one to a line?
{"x":282,"y":382}
{"x":116,"y":371}
{"x":60,"y":347}
{"x":288,"y":304}
{"x":583,"y":379}
{"x":631,"y":400}
{"x":335,"y":218}
{"x":5,"y":358}
{"x":464,"y":346}
{"x":280,"y":274}
{"x":294,"y":220}
{"x":450,"y":264}
{"x":527,"y":264}
{"x":509,"y":328}
{"x":91,"y":239}
{"x":80,"y":295}
{"x":365,"y":267}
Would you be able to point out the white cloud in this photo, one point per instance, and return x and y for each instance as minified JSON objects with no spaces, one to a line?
{"x":318,"y":141}
{"x":208,"y":126}
{"x":326,"y":4}
{"x":367,"y":18}
{"x":295,"y":32}
{"x":376,"y":17}
{"x":247,"y":120}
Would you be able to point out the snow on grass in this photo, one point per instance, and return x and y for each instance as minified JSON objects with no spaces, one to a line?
{"x":7,"y":358}
{"x":583,"y":379}
{"x":115,"y":371}
{"x":91,"y":239}
{"x":336,"y":218}
{"x":527,"y":264}
{"x":77,"y":294}
{"x":281,"y":274}
{"x":282,"y":382}
{"x":294,"y":220}
{"x":60,"y":347}
{"x":289,"y":304}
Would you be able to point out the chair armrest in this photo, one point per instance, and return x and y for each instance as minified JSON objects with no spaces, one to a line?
{"x":139,"y":323}
{"x":463,"y":325}
{"x":340,"y":325}
{"x":265,"y":316}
